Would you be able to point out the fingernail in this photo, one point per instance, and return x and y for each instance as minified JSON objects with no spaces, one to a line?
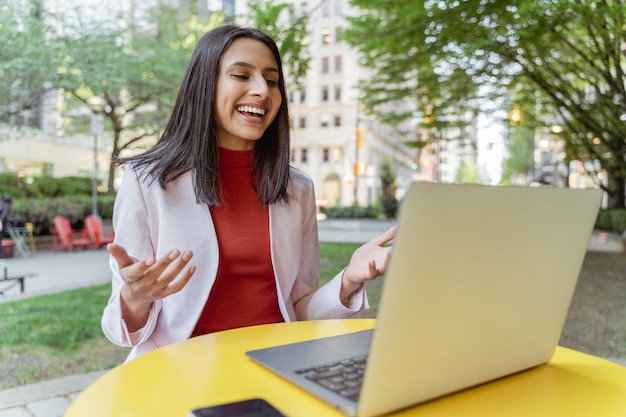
{"x":149,"y":261}
{"x":187,"y":255}
{"x":174,"y":254}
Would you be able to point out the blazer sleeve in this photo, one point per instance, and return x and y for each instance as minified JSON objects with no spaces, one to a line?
{"x":130,"y":221}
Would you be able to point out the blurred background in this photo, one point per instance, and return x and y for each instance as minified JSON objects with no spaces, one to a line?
{"x":381,"y":93}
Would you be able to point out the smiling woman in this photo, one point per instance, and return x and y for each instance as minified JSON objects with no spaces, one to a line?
{"x":213,"y":229}
{"x":247,"y":96}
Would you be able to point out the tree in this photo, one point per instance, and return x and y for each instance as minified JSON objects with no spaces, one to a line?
{"x":134,"y":69}
{"x":520,"y":161}
{"x":565,"y":56}
{"x":288,"y":31}
{"x":29,"y":58}
{"x":388,"y":200}
{"x":406,"y":83}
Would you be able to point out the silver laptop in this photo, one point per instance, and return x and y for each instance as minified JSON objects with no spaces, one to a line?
{"x":478,"y":287}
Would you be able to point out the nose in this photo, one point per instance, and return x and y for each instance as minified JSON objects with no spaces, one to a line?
{"x":259,"y":87}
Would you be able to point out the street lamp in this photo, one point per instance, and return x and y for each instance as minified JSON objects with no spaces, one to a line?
{"x":96,"y":105}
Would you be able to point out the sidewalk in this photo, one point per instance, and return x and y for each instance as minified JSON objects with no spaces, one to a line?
{"x":60,"y":271}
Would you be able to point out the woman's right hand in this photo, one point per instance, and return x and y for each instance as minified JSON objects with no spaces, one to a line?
{"x":148,"y":280}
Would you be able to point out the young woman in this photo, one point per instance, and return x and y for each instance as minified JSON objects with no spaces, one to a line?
{"x":213,"y":229}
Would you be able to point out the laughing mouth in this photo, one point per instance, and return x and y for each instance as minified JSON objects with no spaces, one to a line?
{"x":251,"y":111}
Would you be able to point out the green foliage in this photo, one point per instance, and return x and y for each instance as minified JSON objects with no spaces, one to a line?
{"x":563,"y":56}
{"x":288,"y":31}
{"x":39,"y":187}
{"x":613,"y":220}
{"x":28,"y":58}
{"x":520,"y":161}
{"x":39,"y":200}
{"x":41,"y":211}
{"x":11,"y":184}
{"x":388,"y":200}
{"x":45,"y":186}
{"x":134,"y":70}
{"x":350,"y":212}
{"x":467,"y":173}
{"x":74,"y":186}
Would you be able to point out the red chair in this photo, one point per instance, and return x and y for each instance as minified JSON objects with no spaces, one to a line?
{"x":95,"y":231}
{"x":64,"y":237}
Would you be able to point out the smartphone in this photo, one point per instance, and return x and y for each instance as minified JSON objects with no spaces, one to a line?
{"x":254,"y":407}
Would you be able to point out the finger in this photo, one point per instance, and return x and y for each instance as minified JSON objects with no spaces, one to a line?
{"x":179,"y":284}
{"x":170,"y":266}
{"x":384,"y":238}
{"x":120,"y":255}
{"x":372,"y":268}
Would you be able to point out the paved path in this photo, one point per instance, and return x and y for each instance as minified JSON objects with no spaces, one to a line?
{"x":60,"y":271}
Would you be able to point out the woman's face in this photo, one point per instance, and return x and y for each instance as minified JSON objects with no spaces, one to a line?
{"x":247,"y":97}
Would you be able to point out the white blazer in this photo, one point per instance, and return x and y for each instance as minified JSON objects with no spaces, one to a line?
{"x":150,"y":221}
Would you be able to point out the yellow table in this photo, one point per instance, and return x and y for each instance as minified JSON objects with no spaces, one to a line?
{"x":213,"y":369}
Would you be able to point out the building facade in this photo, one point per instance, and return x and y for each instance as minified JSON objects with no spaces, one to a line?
{"x":332,"y":141}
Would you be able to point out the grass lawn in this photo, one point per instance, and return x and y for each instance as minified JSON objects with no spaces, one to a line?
{"x":56,"y":335}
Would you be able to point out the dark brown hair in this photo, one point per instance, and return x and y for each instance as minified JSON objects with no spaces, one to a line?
{"x":189,"y":141}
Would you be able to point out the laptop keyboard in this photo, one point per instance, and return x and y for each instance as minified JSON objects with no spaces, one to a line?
{"x":343,"y":377}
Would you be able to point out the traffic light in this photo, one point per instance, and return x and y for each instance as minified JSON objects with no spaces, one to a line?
{"x":359,"y":138}
{"x":359,"y":168}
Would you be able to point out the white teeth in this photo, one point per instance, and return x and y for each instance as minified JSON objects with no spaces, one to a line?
{"x":250,"y":109}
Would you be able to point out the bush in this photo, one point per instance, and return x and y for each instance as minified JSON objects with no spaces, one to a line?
{"x":44,"y":186}
{"x":11,"y":184}
{"x":75,"y":186}
{"x":613,"y":220}
{"x":388,"y":201}
{"x":37,"y":200}
{"x":41,"y":211}
{"x":39,"y":187}
{"x":350,"y":212}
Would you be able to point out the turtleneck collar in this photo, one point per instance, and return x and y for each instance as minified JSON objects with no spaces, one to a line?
{"x":236,"y":159}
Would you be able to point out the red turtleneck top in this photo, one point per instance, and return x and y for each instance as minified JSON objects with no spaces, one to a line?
{"x":244,"y":292}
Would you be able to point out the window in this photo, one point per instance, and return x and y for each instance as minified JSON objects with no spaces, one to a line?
{"x":325,"y":9}
{"x":325,"y":93}
{"x":325,"y":65}
{"x":292,"y":155}
{"x":303,"y":155}
{"x":324,"y":121}
{"x":337,"y":120}
{"x":337,"y":154}
{"x":338,"y":7}
{"x":326,"y":155}
{"x":338,"y":62}
{"x":326,"y":37}
{"x":302,"y":96}
{"x":337,"y":93}
{"x":302,"y":122}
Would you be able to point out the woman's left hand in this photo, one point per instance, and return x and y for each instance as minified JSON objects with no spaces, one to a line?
{"x":368,"y":262}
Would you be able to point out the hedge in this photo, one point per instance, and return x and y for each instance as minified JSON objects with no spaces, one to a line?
{"x":612,"y":220}
{"x":41,"y":211}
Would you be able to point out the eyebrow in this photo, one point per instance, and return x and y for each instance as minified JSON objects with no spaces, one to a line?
{"x":248,"y":65}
